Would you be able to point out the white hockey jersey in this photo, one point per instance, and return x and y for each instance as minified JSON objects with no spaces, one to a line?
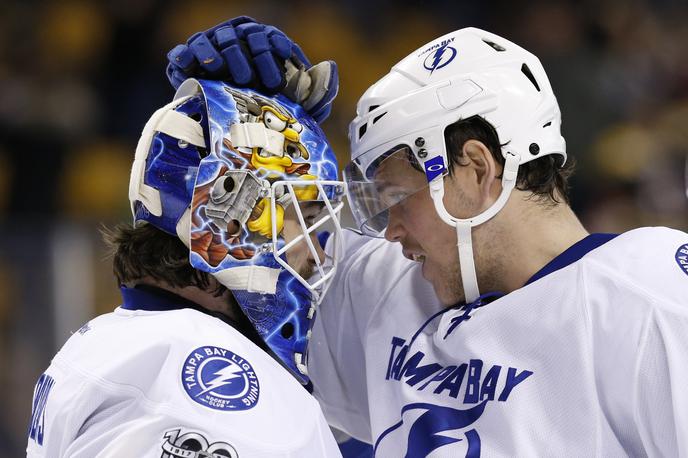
{"x":156,"y":378}
{"x":590,"y":358}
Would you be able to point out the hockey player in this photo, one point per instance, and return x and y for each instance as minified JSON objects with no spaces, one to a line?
{"x":205,"y":354}
{"x":583,"y":352}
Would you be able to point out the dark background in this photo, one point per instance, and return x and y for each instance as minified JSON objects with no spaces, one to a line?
{"x":79,"y":79}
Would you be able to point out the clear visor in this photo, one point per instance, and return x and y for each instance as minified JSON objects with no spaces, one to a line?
{"x":308,"y":212}
{"x":388,"y":180}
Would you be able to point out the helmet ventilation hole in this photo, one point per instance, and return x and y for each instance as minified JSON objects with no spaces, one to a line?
{"x":526,"y":71}
{"x":287,"y":330}
{"x":494,"y":45}
{"x":202,"y":152}
{"x":377,"y":118}
{"x":362,"y":130}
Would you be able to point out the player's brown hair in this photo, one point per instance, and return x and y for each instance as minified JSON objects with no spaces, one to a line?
{"x":146,"y":252}
{"x":545,"y":177}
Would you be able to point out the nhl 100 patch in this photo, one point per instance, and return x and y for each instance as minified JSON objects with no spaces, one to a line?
{"x":219,"y":379}
{"x":193,"y":444}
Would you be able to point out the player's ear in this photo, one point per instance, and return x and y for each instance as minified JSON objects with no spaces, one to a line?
{"x":484,"y":172}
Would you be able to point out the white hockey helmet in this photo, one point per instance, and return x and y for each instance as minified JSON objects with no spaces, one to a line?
{"x":466,"y":73}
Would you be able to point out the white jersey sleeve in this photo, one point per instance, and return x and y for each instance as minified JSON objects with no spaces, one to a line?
{"x":661,"y":400}
{"x":639,"y":309}
{"x":338,"y":364}
{"x":163,"y":384}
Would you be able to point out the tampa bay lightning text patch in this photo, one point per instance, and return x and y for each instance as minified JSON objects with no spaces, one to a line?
{"x":219,"y":379}
{"x":682,"y":258}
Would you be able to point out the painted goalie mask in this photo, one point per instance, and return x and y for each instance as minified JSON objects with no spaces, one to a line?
{"x":248,"y":183}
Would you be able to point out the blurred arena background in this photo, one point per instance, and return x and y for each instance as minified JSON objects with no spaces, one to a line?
{"x":78,"y":79}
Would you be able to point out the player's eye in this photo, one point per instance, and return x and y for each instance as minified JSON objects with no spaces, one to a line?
{"x":271,"y":121}
{"x":397,"y":198}
{"x":391,"y":197}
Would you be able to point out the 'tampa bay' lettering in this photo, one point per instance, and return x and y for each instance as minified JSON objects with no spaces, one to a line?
{"x":190,"y":369}
{"x":435,"y":46}
{"x":481,"y":382}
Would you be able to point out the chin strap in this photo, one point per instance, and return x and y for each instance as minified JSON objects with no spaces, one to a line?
{"x":464,"y":242}
{"x":464,"y":226}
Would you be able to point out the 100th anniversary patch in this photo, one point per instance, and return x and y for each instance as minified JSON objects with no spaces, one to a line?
{"x":219,"y":379}
{"x":193,"y":444}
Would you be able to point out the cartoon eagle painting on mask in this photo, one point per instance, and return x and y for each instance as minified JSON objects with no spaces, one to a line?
{"x":263,"y":147}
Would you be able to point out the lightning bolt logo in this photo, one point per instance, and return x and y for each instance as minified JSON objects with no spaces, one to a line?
{"x":220,"y":379}
{"x":224,"y":377}
{"x":426,"y":433}
{"x":440,"y":58}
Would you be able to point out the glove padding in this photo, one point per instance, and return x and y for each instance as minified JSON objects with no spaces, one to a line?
{"x":249,"y":54}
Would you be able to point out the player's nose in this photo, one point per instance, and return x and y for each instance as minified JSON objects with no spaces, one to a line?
{"x":395,"y":228}
{"x":312,"y":259}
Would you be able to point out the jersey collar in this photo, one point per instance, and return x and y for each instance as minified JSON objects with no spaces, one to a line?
{"x":572,"y":254}
{"x":150,"y":298}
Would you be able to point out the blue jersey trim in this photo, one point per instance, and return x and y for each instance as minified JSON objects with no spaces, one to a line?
{"x":479,"y":302}
{"x":143,"y":297}
{"x":152,"y":299}
{"x":572,"y":254}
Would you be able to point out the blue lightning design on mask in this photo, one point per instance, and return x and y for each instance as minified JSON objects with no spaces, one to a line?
{"x":293,"y":300}
{"x":268,"y":313}
{"x":224,"y":377}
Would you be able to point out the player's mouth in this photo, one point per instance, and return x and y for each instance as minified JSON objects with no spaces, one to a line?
{"x":416,"y":257}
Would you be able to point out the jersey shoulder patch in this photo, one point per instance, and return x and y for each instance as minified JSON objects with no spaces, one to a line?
{"x":220,"y":379}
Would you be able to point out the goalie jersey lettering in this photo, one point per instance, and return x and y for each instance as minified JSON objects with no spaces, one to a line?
{"x":158,"y":378}
{"x":587,"y":359}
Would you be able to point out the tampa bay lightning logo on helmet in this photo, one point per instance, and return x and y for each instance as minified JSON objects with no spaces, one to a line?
{"x":440,"y":58}
{"x":217,"y":378}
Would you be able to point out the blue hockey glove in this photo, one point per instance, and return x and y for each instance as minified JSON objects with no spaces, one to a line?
{"x":249,"y":54}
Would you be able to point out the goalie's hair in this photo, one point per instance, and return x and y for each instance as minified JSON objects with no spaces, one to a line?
{"x":145,"y":252}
